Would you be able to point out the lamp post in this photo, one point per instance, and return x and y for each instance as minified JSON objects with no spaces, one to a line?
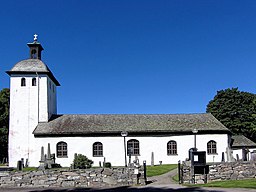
{"x":195,"y":131}
{"x":124,"y":134}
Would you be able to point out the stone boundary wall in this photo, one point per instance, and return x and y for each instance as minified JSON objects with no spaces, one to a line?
{"x":220,"y":171}
{"x":101,"y":177}
{"x":232,"y":171}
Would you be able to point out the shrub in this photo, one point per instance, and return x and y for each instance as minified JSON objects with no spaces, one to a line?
{"x":82,"y":162}
{"x":107,"y":165}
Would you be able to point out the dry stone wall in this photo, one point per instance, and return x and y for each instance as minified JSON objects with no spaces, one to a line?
{"x":232,"y":171}
{"x":220,"y":171}
{"x":101,"y":177}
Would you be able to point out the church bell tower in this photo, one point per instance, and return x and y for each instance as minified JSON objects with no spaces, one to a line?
{"x":33,"y":99}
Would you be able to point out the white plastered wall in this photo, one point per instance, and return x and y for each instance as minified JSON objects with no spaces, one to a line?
{"x":113,"y":148}
{"x":24,"y":115}
{"x":239,"y":152}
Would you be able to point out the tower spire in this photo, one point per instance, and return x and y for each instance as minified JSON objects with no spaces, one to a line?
{"x":35,"y":37}
{"x":35,"y":49}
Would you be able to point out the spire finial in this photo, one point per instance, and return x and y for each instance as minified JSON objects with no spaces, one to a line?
{"x":35,"y":37}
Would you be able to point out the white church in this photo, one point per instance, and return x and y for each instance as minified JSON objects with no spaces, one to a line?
{"x":34,"y":122}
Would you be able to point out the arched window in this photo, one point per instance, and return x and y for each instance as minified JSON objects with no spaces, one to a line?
{"x":34,"y":81}
{"x":172,"y":148}
{"x":211,"y":147}
{"x":133,"y":147}
{"x":33,"y":54}
{"x":23,"y":82}
{"x":97,"y":149}
{"x":62,"y":149}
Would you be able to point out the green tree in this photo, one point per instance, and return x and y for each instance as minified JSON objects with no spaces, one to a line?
{"x":236,"y":110}
{"x":4,"y":122}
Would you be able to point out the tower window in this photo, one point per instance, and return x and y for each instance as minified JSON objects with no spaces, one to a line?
{"x":23,"y":82}
{"x":34,"y":81}
{"x":33,"y":54}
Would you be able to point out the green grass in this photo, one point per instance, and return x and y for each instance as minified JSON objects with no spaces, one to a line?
{"x":159,"y":169}
{"x":176,"y":178}
{"x":26,"y":169}
{"x":246,"y":183}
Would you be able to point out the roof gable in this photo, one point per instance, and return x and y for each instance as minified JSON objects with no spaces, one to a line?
{"x":240,"y":141}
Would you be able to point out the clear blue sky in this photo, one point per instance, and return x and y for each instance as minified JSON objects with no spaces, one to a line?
{"x":112,"y":56}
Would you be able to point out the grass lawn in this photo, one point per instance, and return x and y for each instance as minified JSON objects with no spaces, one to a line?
{"x":246,"y":183}
{"x":176,"y":178}
{"x":159,"y":169}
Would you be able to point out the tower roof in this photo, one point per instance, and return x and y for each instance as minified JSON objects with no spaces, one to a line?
{"x":32,"y":66}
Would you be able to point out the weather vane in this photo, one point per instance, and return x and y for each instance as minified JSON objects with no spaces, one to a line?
{"x":35,"y":37}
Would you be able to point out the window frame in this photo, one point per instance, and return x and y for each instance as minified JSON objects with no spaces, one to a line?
{"x":34,"y":81}
{"x":97,"y":149}
{"x":172,"y":148}
{"x":211,"y":147}
{"x":62,"y":149}
{"x":135,"y":144}
{"x":23,"y":82}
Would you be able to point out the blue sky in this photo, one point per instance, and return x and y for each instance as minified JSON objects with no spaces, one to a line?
{"x":112,"y":56}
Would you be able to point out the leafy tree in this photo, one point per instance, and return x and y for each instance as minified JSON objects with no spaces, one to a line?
{"x":236,"y":110}
{"x":4,"y":122}
{"x":82,"y":162}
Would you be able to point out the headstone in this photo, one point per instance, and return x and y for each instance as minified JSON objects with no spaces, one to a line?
{"x":152,"y":159}
{"x":229,"y":153}
{"x":22,"y":162}
{"x":237,"y":157}
{"x":253,"y":156}
{"x":48,"y":152}
{"x":223,"y":157}
{"x":26,"y":164}
{"x":47,"y":161}
{"x":42,"y":153}
{"x":19,"y":165}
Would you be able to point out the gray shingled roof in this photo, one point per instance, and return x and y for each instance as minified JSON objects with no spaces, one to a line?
{"x":32,"y":66}
{"x":136,"y":124}
{"x":240,"y":141}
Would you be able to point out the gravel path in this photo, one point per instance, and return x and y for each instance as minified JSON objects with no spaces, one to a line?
{"x":163,"y":179}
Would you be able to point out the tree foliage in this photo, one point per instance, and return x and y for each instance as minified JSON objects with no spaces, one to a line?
{"x":4,"y":122}
{"x":236,"y":110}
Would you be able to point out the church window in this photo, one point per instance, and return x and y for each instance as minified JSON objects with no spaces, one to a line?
{"x":23,"y":82}
{"x":62,"y":149}
{"x":172,"y":148}
{"x":34,"y":81}
{"x":97,"y":149}
{"x":133,"y":147}
{"x":211,"y":147}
